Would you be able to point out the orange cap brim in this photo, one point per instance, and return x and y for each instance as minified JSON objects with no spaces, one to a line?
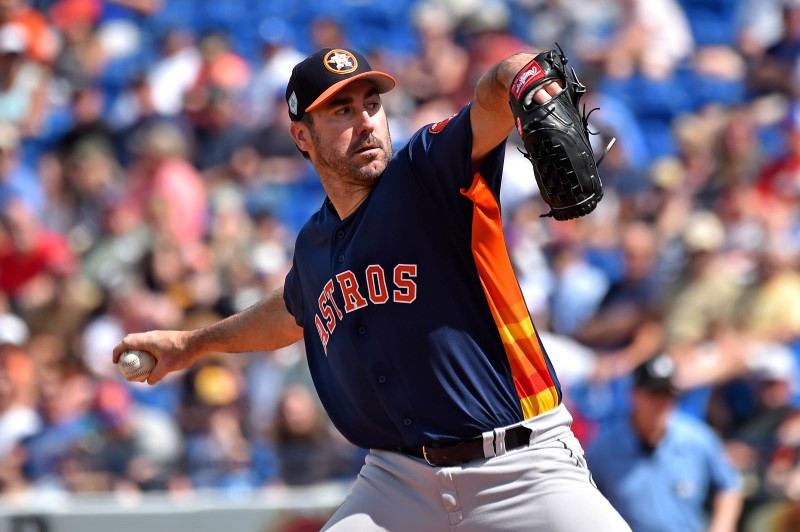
{"x":383,"y":81}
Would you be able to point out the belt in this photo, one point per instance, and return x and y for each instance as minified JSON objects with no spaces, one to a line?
{"x":467,"y":451}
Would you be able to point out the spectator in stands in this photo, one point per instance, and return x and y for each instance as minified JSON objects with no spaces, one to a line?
{"x":771,"y":72}
{"x":578,"y":286}
{"x":217,"y":133}
{"x":763,"y":444}
{"x":769,"y":308}
{"x":657,"y":466}
{"x":439,"y":69}
{"x":85,"y":170}
{"x":779,"y":179}
{"x":81,"y":58}
{"x":549,"y":22}
{"x":278,"y":161}
{"x":278,"y":57}
{"x":17,"y":179}
{"x":625,"y":327}
{"x":41,"y":36}
{"x":30,"y":255}
{"x":218,"y":452}
{"x":309,"y":449}
{"x":738,"y":152}
{"x":761,"y":25}
{"x":702,"y":301}
{"x":220,"y":67}
{"x":18,"y":417}
{"x":129,"y":447}
{"x":115,"y":255}
{"x":134,"y":112}
{"x":160,"y":173}
{"x":653,"y":38}
{"x":326,"y":32}
{"x":695,"y":137}
{"x":88,"y":121}
{"x":121,"y":26}
{"x":484,"y":27}
{"x":175,"y":72}
{"x":65,"y":401}
{"x":23,"y":82}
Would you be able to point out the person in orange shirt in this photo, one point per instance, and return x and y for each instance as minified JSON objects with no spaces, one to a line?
{"x":41,"y":38}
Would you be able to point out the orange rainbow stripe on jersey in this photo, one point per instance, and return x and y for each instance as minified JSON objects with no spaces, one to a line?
{"x":536,"y":387}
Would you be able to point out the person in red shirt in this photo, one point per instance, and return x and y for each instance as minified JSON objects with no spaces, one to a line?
{"x":28,"y":251}
{"x":780,"y":178}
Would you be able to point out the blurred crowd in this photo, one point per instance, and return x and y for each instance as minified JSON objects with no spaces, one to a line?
{"x":147,"y":180}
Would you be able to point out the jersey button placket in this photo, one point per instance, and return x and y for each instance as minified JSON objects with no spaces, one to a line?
{"x":338,"y":248}
{"x":382,"y":379}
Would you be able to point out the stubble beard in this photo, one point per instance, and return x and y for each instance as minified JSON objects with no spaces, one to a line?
{"x":349,"y":170}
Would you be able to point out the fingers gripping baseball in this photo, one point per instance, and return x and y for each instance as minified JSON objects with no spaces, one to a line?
{"x":169,"y":348}
{"x":547,"y":92}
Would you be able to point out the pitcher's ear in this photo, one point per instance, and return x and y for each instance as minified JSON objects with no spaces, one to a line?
{"x":301,"y":135}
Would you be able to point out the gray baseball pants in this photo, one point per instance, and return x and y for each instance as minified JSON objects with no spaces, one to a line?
{"x":545,"y":487}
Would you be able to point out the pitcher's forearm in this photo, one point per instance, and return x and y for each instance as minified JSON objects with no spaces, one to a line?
{"x":265,"y":326}
{"x":491,"y":91}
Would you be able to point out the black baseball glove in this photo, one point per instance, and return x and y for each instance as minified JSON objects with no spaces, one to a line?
{"x":556,"y":137}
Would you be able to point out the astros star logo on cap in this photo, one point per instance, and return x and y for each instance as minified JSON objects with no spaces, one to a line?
{"x":340,"y":61}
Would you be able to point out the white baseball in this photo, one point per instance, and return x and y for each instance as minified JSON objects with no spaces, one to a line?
{"x":136,"y":365}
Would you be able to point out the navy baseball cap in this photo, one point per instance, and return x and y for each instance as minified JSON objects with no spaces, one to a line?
{"x":656,"y":374}
{"x":320,"y":76}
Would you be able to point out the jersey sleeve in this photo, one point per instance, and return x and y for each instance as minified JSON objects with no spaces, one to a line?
{"x":293,"y":294}
{"x":441,"y":154}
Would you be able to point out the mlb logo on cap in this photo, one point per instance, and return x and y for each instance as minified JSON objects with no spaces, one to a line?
{"x":318,"y":77}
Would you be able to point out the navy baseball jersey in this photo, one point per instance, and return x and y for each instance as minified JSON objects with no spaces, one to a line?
{"x":414,"y":324}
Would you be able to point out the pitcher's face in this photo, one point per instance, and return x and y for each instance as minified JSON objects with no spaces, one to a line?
{"x":348,"y":136}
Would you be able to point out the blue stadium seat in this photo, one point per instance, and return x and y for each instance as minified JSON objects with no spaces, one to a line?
{"x":655,"y":104}
{"x":713,"y":22}
{"x":706,"y":90}
{"x":118,"y":73}
{"x":174,"y":14}
{"x":659,"y":138}
{"x":602,"y":402}
{"x":694,"y":402}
